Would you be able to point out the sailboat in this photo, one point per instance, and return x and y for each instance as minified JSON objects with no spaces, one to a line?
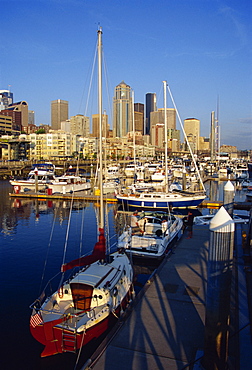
{"x":84,"y":305}
{"x":148,"y":200}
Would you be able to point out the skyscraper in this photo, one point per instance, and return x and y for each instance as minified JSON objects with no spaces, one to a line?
{"x":139,"y":117}
{"x":157,"y":120}
{"x":96,"y":124}
{"x":122,"y":112}
{"x":192,"y":130}
{"x":158,"y":117}
{"x":59,"y":113}
{"x":79,"y":125}
{"x":150,"y":106}
{"x":6,"y":99}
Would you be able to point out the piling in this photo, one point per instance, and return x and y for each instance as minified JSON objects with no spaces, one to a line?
{"x":228,"y":198}
{"x":184,"y":179}
{"x":219,"y":275}
{"x":36,"y":179}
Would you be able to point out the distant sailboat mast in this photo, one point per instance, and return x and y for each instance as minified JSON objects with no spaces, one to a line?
{"x":133,"y":128}
{"x":217,"y":133}
{"x":212,"y":138}
{"x":165,"y":138}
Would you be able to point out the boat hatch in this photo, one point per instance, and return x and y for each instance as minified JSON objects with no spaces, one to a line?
{"x":82,"y":295}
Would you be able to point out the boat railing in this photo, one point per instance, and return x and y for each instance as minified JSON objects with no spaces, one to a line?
{"x":52,"y":285}
{"x":185,"y":192}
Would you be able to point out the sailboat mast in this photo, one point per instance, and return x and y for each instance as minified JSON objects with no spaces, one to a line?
{"x":133,"y":128}
{"x":99,"y":50}
{"x":165,"y":138}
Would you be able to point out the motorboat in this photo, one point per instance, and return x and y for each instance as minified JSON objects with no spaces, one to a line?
{"x":157,"y":231}
{"x":68,"y":183}
{"x":206,"y":219}
{"x":112,"y":172}
{"x":39,"y":177}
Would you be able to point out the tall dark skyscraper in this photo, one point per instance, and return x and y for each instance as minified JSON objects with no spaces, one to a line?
{"x":150,"y":106}
{"x":122,"y":118}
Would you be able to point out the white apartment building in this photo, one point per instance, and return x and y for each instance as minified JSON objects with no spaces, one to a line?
{"x":53,"y":145}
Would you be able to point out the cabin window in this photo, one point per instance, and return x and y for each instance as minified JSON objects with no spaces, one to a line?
{"x":82,"y":295}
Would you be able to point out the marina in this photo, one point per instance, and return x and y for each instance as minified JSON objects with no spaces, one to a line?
{"x":24,"y":220}
{"x":125,"y":226}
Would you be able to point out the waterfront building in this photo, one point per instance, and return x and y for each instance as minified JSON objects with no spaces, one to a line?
{"x":150,"y":106}
{"x":65,"y":126}
{"x":59,"y":113}
{"x":192,"y":130}
{"x":173,"y":137}
{"x":204,"y":144}
{"x":16,"y":120}
{"x":5,"y":125}
{"x":88,"y":147}
{"x":19,"y":113}
{"x":53,"y":145}
{"x":157,"y":135}
{"x":122,"y":110}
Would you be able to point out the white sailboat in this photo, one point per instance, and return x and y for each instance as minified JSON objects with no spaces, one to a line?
{"x":162,"y":200}
{"x":82,"y":307}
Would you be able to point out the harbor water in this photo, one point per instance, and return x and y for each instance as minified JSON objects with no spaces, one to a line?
{"x":32,"y":244}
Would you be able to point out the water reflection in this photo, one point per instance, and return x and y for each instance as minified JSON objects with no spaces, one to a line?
{"x":26,"y":227}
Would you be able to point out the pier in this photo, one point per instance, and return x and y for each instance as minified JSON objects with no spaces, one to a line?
{"x":110,"y":198}
{"x":164,"y":328}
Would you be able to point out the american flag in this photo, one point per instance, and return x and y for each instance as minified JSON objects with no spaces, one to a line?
{"x":35,"y":320}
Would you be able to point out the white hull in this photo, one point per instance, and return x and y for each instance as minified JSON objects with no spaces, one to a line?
{"x":153,"y":239}
{"x":38,"y":178}
{"x":67,"y":186}
{"x":21,"y":186}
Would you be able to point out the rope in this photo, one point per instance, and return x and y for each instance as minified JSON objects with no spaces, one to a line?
{"x":107,"y":230}
{"x":181,"y":125}
{"x":47,"y":253}
{"x":82,"y":228}
{"x":81,"y":346}
{"x":66,"y":240}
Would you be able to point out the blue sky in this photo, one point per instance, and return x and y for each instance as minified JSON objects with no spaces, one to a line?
{"x":201,"y":47}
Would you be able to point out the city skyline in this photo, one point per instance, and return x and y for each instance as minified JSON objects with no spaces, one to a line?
{"x":202,"y":49}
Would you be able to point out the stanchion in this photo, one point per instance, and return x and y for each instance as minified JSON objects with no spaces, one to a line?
{"x":219,"y":274}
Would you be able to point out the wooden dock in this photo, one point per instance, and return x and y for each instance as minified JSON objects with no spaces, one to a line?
{"x":76,"y":196}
